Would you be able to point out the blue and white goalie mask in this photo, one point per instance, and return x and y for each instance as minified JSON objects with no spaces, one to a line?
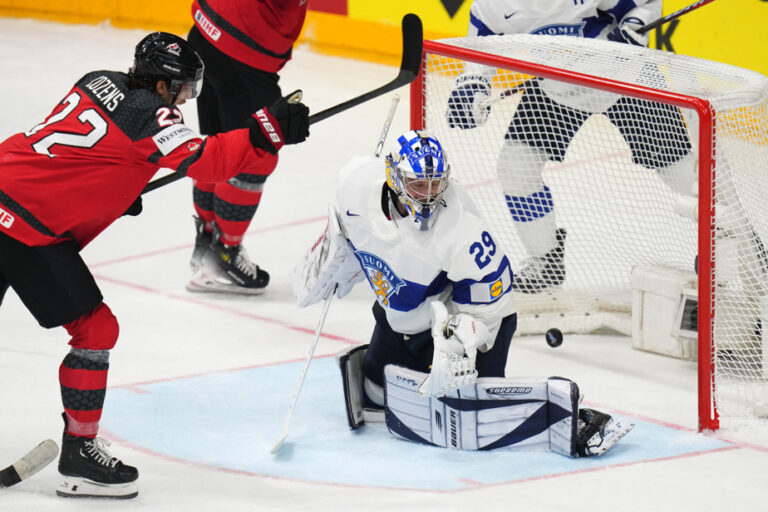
{"x":418,"y":174}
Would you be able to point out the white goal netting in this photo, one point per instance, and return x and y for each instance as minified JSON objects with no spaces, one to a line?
{"x":617,"y":174}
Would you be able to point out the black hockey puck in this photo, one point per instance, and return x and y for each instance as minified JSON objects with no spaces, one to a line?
{"x":554,"y":337}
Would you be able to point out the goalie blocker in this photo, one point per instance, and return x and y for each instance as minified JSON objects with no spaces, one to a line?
{"x":493,"y":413}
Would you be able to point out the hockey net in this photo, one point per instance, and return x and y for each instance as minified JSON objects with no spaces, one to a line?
{"x":622,"y":212}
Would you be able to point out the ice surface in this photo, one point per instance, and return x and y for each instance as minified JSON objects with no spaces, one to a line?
{"x":199,"y":386}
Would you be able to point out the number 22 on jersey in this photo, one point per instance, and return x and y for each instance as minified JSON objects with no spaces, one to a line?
{"x":90,"y":117}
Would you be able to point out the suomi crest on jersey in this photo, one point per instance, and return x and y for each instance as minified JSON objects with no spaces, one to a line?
{"x":561,"y":29}
{"x":383,"y":279}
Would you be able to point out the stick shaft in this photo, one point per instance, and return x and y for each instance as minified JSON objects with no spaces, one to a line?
{"x":410,"y":66}
{"x":387,"y":124}
{"x":674,"y":15}
{"x":303,"y":375}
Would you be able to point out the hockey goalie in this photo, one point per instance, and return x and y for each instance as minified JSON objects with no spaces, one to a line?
{"x":444,"y":315}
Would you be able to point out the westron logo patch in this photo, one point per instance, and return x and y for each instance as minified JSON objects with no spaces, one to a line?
{"x":384,"y":281}
{"x":172,"y":137}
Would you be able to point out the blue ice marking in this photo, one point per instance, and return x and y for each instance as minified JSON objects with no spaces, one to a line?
{"x":231,"y":419}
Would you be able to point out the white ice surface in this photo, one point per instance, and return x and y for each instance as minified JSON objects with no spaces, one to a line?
{"x":168,"y":334}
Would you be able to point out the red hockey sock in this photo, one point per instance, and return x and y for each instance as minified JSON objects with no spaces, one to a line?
{"x":234,"y":209}
{"x":83,"y":372}
{"x":202,"y":197}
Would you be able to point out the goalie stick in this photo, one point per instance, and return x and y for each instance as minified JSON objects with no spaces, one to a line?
{"x":650,"y":26}
{"x":327,"y":304}
{"x":387,"y":124}
{"x":410,"y":65}
{"x":37,"y":458}
{"x":302,"y":376}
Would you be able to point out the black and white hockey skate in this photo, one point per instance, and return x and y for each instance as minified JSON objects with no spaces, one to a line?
{"x":542,"y":272}
{"x":203,"y":241}
{"x":88,"y":470}
{"x":228,"y":269}
{"x":598,"y":432}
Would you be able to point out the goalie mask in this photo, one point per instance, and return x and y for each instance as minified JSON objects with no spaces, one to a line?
{"x":418,"y":175}
{"x":167,"y":57}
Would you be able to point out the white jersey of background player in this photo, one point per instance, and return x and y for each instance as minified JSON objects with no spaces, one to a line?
{"x":550,"y":113}
{"x":580,"y":18}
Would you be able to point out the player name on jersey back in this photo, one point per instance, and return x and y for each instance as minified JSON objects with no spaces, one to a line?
{"x":106,"y":92}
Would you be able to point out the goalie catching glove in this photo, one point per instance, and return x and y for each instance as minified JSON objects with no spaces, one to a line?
{"x":330,"y":261}
{"x":456,"y":339}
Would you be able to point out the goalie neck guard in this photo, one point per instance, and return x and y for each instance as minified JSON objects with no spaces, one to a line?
{"x":418,"y":175}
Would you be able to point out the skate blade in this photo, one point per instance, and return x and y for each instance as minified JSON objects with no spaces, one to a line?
{"x":78,"y":487}
{"x":203,"y":283}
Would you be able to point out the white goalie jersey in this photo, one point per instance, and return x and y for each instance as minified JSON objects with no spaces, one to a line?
{"x":457,"y":261}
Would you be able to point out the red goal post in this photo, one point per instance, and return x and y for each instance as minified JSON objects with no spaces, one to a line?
{"x":704,"y":91}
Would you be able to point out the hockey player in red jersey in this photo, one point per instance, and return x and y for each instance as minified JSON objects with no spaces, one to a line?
{"x":65,"y":180}
{"x":243,"y":45}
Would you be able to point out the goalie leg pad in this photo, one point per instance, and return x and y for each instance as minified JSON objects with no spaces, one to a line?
{"x":351,"y":366}
{"x":563,"y":396}
{"x":493,"y":413}
{"x":352,"y":377}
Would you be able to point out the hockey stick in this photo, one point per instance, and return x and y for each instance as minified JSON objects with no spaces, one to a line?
{"x":674,"y":15}
{"x":287,"y":425}
{"x":387,"y":123}
{"x":506,"y":93}
{"x":409,"y":69}
{"x":37,"y":458}
{"x":410,"y":65}
{"x":650,"y":26}
{"x":302,"y":376}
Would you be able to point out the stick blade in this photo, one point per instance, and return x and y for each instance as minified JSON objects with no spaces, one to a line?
{"x":37,"y":458}
{"x":413,"y":40}
{"x":279,"y":443}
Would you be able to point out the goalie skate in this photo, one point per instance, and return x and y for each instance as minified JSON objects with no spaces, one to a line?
{"x":228,"y":270}
{"x":599,"y":432}
{"x":543,"y":272}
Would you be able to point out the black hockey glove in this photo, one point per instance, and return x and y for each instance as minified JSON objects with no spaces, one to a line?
{"x":465,"y":108}
{"x":135,"y":208}
{"x":283,"y":122}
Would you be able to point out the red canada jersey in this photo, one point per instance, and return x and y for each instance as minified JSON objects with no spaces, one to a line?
{"x":74,"y":174}
{"x":259,"y":33}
